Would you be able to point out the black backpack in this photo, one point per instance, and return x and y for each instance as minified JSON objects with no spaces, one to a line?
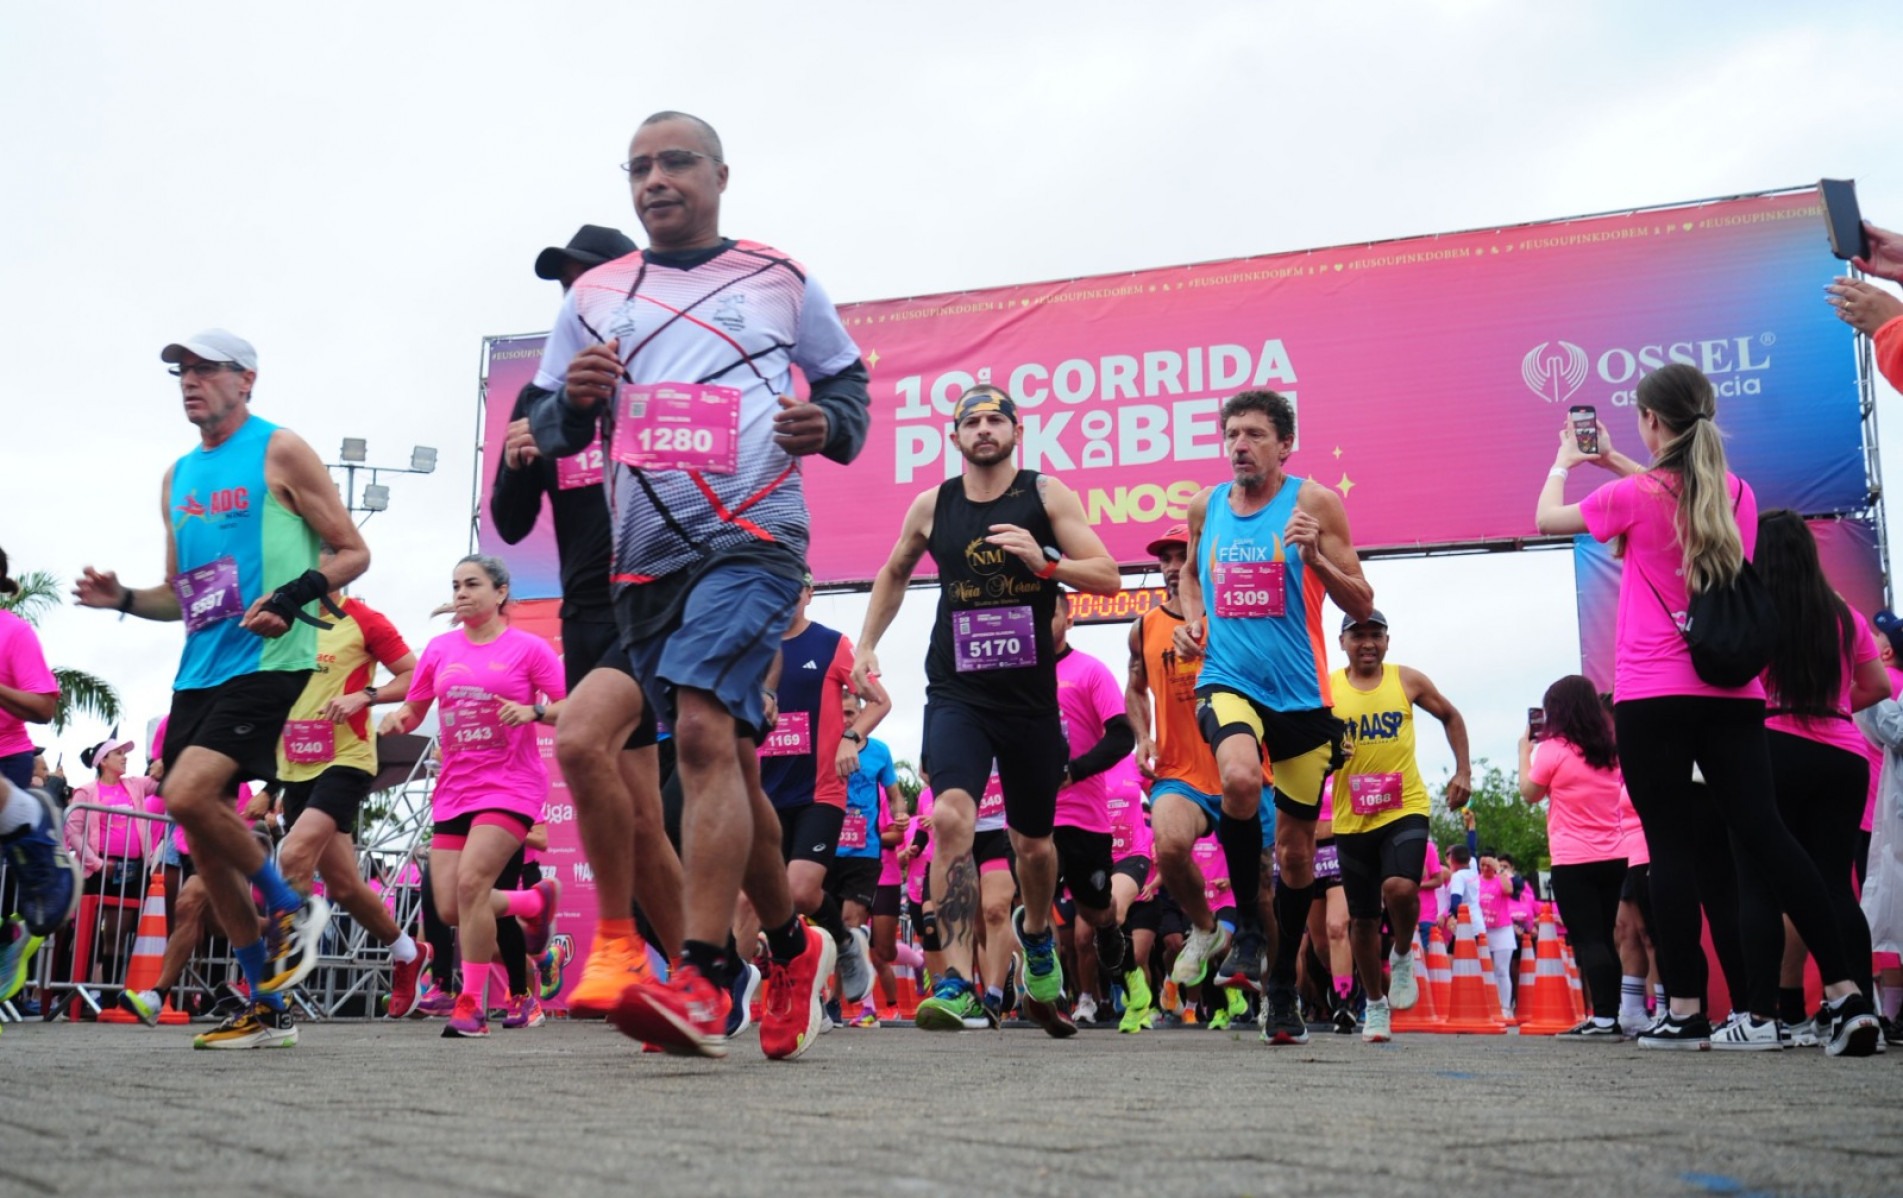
{"x":1730,"y":630}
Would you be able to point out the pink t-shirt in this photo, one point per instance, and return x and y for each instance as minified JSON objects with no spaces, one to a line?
{"x":1633,"y":832}
{"x":1495,"y":904}
{"x":1582,"y":804}
{"x":1086,"y":697}
{"x":1130,"y":834}
{"x":1207,"y":853}
{"x":1837,"y":733}
{"x":1430,"y":899}
{"x":1652,"y":657}
{"x":1526,"y":908}
{"x":916,"y":868}
{"x":22,"y":667}
{"x":487,"y":765}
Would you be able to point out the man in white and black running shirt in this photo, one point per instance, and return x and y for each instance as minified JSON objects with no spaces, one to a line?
{"x":682,"y":356}
{"x":1003,"y":540}
{"x":607,"y":741}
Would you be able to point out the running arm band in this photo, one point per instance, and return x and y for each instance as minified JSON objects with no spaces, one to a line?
{"x":288,"y":601}
{"x":1119,"y":738}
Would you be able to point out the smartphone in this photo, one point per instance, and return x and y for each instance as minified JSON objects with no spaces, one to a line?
{"x":1843,"y":219}
{"x":1535,"y":721}
{"x":1585,"y":419}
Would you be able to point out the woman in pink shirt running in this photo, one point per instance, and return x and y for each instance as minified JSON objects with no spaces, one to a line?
{"x":1685,"y":526}
{"x":492,"y":683}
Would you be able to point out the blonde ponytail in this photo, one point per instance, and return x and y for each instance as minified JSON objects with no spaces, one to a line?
{"x":1683,"y":400}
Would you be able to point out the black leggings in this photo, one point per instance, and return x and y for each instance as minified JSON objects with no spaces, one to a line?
{"x":1588,"y":898}
{"x":1821,"y":790}
{"x":1659,"y":740}
{"x":511,"y":946}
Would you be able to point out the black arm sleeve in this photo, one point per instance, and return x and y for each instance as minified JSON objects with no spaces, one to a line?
{"x":848,"y":407}
{"x":561,"y":429}
{"x":1119,"y":738}
{"x":515,"y":501}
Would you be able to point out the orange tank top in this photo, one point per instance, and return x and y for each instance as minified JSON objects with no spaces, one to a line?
{"x":1181,"y":751}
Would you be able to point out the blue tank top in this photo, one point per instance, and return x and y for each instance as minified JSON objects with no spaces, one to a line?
{"x":1279,"y":661}
{"x":225,"y":520}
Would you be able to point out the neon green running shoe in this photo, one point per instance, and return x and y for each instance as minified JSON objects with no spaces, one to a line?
{"x":953,"y":1007}
{"x":18,"y":954}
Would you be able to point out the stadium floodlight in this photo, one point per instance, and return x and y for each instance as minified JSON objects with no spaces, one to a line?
{"x":423,"y":459}
{"x":376,"y":498}
{"x":356,"y":450}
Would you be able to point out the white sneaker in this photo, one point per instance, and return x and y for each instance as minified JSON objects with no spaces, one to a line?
{"x":1742,"y":1033}
{"x":1375,"y":1028}
{"x":1199,"y":949}
{"x":1403,"y":990}
{"x":855,"y":969}
{"x":1085,"y":1011}
{"x":1804,"y":1035}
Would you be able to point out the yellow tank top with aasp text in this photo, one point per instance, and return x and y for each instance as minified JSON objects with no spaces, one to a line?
{"x":1381,"y":782}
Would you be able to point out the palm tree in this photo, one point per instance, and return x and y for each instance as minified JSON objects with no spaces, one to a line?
{"x":80,"y":693}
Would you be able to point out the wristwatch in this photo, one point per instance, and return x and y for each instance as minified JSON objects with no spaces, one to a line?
{"x":370,"y":693}
{"x":854,"y":737}
{"x":541,"y":709}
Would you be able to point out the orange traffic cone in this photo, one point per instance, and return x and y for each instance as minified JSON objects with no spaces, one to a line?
{"x":1575,"y":992}
{"x":1475,"y":1003}
{"x":1440,"y":968}
{"x":1484,"y":951}
{"x":148,"y":955}
{"x":1423,"y":1016}
{"x":1548,"y":1003}
{"x":1523,"y":991}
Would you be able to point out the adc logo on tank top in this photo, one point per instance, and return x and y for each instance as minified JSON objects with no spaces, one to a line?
{"x":229,"y":503}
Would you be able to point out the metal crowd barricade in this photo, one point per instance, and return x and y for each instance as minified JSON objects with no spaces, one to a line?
{"x":353,"y":973}
{"x":82,"y":969}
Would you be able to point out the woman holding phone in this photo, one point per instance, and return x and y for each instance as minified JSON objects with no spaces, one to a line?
{"x":1574,"y":767}
{"x":1686,"y":525}
{"x":493,"y":682}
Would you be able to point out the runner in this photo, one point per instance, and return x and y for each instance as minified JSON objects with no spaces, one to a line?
{"x":493,"y":681}
{"x":327,"y":761}
{"x":245,"y":512}
{"x":710,"y":531}
{"x":1098,"y":733}
{"x":857,"y":879}
{"x":1381,"y":807}
{"x":30,"y":830}
{"x":1185,"y":796}
{"x":607,"y":740}
{"x":1131,"y":850}
{"x":1264,"y":686}
{"x":1004,"y":540}
{"x":804,"y":767}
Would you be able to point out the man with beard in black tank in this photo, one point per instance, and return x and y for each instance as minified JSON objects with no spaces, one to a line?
{"x":1003,"y":540}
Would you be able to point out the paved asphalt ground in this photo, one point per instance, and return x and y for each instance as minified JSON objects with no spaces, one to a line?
{"x":386,"y":1111}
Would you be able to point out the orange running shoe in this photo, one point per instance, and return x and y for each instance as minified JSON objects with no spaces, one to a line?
{"x":613,"y":965}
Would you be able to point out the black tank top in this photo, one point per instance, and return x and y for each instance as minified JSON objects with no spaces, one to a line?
{"x":994,"y":613}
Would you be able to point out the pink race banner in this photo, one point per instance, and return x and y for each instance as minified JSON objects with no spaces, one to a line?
{"x":1431,"y":376}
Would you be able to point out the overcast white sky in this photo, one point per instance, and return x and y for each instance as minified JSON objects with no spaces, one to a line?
{"x":361,"y":189}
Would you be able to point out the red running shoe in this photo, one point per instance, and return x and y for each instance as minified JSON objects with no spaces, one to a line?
{"x":403,"y":979}
{"x":794,"y":1013}
{"x":685,"y":1016}
{"x":536,"y":929}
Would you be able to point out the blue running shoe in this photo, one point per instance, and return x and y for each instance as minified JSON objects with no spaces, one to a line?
{"x":1041,"y":981}
{"x":49,"y":877}
{"x":746,"y":981}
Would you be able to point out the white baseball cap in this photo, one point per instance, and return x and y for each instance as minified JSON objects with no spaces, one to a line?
{"x":213,"y":345}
